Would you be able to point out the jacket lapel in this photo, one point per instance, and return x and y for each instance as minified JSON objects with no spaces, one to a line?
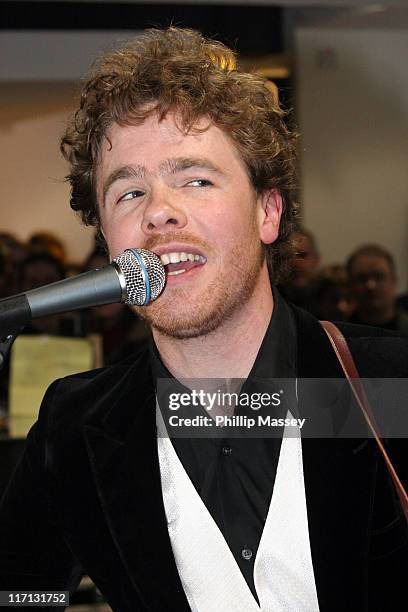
{"x":338,"y":476}
{"x":124,"y":460}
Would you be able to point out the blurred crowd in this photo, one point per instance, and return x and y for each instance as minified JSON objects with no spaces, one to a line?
{"x":362,"y":289}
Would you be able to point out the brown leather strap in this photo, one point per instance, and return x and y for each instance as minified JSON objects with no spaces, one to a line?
{"x":348,"y":365}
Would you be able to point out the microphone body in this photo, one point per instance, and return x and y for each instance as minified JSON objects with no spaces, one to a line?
{"x":135,"y":277}
{"x":93,"y":288}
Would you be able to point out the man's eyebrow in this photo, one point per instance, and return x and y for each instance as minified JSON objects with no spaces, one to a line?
{"x":124,"y":172}
{"x":178,"y":164}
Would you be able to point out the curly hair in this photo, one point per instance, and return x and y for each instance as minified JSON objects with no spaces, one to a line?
{"x":179,"y":70}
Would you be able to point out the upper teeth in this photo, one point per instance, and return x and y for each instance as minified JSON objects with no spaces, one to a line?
{"x":167,"y":258}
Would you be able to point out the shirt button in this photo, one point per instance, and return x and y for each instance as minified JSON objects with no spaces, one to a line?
{"x":226,"y":450}
{"x":246,"y":553}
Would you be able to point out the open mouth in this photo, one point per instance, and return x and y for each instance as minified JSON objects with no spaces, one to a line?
{"x":178,"y":263}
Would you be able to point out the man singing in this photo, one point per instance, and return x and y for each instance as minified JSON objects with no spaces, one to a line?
{"x":176,"y":151}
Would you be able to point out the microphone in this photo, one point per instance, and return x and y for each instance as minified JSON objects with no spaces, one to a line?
{"x":136,"y":277}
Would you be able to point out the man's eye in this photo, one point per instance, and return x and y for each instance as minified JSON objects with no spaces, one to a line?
{"x":200,"y":183}
{"x":131,"y":195}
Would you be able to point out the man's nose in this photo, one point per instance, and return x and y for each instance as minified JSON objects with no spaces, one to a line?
{"x":163,"y":214}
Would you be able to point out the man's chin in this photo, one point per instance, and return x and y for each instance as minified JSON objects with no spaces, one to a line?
{"x":183,"y":327}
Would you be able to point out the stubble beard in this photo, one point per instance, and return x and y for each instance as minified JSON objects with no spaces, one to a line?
{"x":203,"y":312}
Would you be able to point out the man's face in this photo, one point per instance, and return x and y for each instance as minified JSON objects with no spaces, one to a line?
{"x":373,"y":283}
{"x":186,"y":196}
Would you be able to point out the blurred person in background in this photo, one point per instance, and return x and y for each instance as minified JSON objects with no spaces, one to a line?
{"x":13,"y":252}
{"x":303,"y":267}
{"x":332,"y":294}
{"x":47,"y":242}
{"x":373,"y":280}
{"x":36,"y":270}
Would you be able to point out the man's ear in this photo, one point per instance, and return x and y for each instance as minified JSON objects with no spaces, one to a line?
{"x":270,"y":208}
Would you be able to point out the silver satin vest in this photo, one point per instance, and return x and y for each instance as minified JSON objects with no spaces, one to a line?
{"x":212,"y":581}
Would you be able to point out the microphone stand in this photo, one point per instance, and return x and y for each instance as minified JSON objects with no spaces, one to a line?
{"x":5,"y":346}
{"x":12,"y":322}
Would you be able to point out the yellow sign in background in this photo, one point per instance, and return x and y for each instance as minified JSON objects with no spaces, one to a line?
{"x":35,"y":362}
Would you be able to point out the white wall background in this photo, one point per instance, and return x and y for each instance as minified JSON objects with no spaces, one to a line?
{"x":33,"y":193}
{"x":39,"y":84}
{"x":352,"y":99}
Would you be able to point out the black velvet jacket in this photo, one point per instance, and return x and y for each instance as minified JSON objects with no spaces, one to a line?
{"x":86,"y":497}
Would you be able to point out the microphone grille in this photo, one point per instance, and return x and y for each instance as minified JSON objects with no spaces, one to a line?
{"x":144,"y":276}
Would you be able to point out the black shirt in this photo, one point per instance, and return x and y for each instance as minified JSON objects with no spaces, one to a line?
{"x":235,"y":475}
